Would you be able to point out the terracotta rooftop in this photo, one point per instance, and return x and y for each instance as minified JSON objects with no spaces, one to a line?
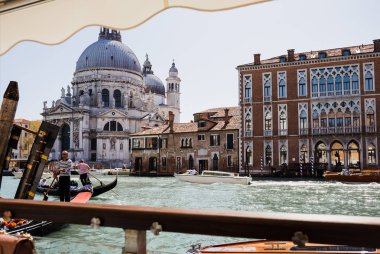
{"x":354,"y":50}
{"x":193,"y":127}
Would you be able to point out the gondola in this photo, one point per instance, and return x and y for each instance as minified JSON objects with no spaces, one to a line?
{"x":96,"y":191}
{"x":35,"y":228}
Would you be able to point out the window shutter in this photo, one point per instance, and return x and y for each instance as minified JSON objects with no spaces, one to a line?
{"x":218,"y":140}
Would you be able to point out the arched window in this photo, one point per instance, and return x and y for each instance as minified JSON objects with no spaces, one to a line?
{"x":356,"y":120}
{"x":282,"y":88}
{"x":267,"y":89}
{"x":314,"y":87}
{"x":302,"y":87}
{"x":268,"y":121}
{"x":81,"y":92}
{"x":304,"y":154}
{"x":283,"y":155}
{"x":247,"y":87}
{"x":303,"y":120}
{"x":337,"y":155}
{"x":106,"y":97}
{"x":370,"y":117}
{"x":248,"y":123}
{"x":355,"y":83}
{"x":330,"y":86}
{"x":268,"y":155}
{"x":191,"y":162}
{"x":322,"y":86}
{"x":65,"y":137}
{"x":346,"y":52}
{"x":339,"y":118}
{"x":371,"y":154}
{"x":323,"y":119}
{"x":315,"y":119}
{"x":331,"y":119}
{"x":347,"y":118}
{"x":113,"y":126}
{"x":322,"y":55}
{"x":320,"y":153}
{"x":338,"y":85}
{"x":182,"y":143}
{"x":131,"y":100}
{"x":346,"y":84}
{"x":117,"y":98}
{"x":283,"y":123}
{"x":215,"y":162}
{"x":353,"y":155}
{"x":368,"y":81}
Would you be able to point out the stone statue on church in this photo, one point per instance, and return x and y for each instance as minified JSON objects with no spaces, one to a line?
{"x":68,"y":91}
{"x":62,"y":92}
{"x":45,"y":102}
{"x":53,"y":104}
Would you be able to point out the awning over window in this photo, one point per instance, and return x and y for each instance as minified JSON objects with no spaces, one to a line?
{"x":54,"y":21}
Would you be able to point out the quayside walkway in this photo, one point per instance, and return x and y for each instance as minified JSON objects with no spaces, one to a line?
{"x":136,"y":220}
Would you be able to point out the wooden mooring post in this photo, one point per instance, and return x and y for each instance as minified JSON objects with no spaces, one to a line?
{"x":7,"y":116}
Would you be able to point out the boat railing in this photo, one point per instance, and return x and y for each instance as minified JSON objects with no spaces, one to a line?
{"x":136,"y":220}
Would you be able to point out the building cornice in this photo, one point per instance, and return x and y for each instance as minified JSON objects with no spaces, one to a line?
{"x":308,"y":62}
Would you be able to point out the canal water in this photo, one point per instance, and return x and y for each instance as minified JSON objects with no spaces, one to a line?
{"x":316,"y":197}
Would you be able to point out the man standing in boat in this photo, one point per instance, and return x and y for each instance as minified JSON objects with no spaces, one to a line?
{"x":64,"y":168}
{"x":84,"y":169}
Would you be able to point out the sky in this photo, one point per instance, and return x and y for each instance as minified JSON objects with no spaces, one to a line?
{"x":206,"y":47}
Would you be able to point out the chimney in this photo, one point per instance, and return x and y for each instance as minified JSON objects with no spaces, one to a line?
{"x":171,"y":121}
{"x":290,"y":55}
{"x":226,"y":117}
{"x":376,"y":45}
{"x":256,"y":59}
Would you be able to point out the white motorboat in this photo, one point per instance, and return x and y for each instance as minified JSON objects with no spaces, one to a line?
{"x":209,"y":176}
{"x":45,"y":175}
{"x":119,"y":171}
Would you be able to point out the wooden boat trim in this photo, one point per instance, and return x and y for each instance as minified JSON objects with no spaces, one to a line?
{"x":330,"y":229}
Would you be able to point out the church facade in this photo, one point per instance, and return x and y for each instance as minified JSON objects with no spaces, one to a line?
{"x":110,"y":97}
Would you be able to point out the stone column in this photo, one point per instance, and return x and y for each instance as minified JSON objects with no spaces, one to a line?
{"x":72,"y":134}
{"x":345,"y":152}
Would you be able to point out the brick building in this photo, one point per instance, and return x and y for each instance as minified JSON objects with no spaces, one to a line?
{"x":209,"y":142}
{"x":318,"y":106}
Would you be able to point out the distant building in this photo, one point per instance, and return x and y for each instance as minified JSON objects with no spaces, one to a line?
{"x":110,"y":97}
{"x":26,"y":139}
{"x":208,"y":143}
{"x":318,"y":106}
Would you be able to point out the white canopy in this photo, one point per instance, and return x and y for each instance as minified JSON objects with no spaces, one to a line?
{"x":54,"y":21}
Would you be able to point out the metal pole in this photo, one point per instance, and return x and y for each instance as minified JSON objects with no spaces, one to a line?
{"x":7,"y":115}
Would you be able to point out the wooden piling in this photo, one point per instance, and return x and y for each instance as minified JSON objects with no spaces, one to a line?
{"x":7,"y":115}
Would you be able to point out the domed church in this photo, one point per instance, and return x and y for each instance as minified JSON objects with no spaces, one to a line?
{"x":110,"y":97}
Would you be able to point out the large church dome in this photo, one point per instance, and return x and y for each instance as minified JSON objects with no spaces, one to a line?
{"x":152,"y":82}
{"x":108,"y":52}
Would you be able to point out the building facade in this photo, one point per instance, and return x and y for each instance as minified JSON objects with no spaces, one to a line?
{"x":110,"y":97}
{"x":312,"y":107}
{"x":210,"y":142}
{"x":26,"y":139}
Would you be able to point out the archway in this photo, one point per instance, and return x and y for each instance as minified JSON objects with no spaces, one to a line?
{"x":191,"y":162}
{"x":320,"y":153}
{"x":337,"y":155}
{"x":65,"y":137}
{"x":353,"y":155}
{"x":215,"y":162}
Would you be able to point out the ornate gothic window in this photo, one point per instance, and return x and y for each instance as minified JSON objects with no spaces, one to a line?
{"x":268,"y":121}
{"x":368,"y":77}
{"x":117,"y":98}
{"x":304,"y":154}
{"x":370,"y":117}
{"x":315,"y":119}
{"x":322,"y":86}
{"x":303,"y":120}
{"x":314,"y":87}
{"x":338,"y":85}
{"x":281,"y":79}
{"x":353,"y":155}
{"x":330,"y":85}
{"x":371,"y":154}
{"x":346,"y":84}
{"x":106,"y":97}
{"x":320,"y":153}
{"x":323,"y":119}
{"x":268,"y":155}
{"x":267,"y":80}
{"x":247,"y":88}
{"x":283,"y":124}
{"x":355,"y":84}
{"x":283,"y":155}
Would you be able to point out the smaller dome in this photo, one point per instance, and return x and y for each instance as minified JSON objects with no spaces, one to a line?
{"x":154,"y":84}
{"x":173,"y":68}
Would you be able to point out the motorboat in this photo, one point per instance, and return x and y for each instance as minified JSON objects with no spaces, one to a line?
{"x":280,"y":247}
{"x":211,"y":176}
{"x":45,"y":175}
{"x":119,"y":171}
{"x":365,"y":176}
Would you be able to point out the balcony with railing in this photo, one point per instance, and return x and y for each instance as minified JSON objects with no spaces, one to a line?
{"x":304,"y":131}
{"x":370,"y":129}
{"x":339,"y":130}
{"x":268,"y":133}
{"x":267,"y":98}
{"x":283,"y":132}
{"x":248,"y":133}
{"x":248,"y":100}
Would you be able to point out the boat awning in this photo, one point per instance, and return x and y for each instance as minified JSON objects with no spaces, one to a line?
{"x":54,"y":21}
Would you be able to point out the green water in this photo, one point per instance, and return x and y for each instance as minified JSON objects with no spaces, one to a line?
{"x":262,"y":196}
